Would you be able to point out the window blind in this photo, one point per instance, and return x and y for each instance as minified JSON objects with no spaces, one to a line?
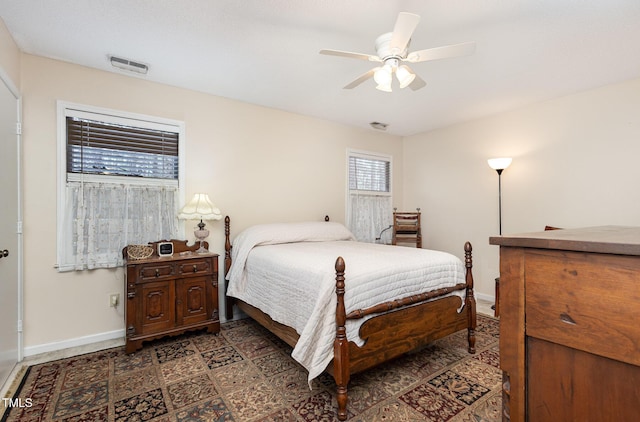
{"x":95,"y":147}
{"x":369,"y":174}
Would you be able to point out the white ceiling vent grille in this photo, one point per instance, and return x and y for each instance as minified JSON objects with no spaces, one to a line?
{"x":379,"y":126}
{"x":129,"y":65}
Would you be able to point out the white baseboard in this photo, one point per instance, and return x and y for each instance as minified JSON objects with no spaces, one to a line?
{"x":483,"y":296}
{"x":115,"y":338}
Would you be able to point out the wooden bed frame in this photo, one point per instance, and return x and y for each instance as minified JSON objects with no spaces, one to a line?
{"x":396,"y":329}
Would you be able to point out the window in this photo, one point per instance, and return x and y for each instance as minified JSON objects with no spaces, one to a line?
{"x":119,"y":183}
{"x":369,"y":194}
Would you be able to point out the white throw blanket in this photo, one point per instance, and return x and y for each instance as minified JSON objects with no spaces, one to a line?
{"x":288,"y":272}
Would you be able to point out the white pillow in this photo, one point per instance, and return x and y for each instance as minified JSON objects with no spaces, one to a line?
{"x":272,"y":234}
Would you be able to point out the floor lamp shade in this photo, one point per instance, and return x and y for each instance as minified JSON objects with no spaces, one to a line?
{"x":499,"y":164}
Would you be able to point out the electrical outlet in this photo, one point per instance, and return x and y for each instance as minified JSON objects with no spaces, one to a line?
{"x":114,"y":299}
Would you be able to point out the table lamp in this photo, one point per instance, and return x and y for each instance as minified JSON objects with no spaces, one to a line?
{"x":200,"y":208}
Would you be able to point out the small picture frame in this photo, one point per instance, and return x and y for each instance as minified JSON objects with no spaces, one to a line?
{"x":165,"y":249}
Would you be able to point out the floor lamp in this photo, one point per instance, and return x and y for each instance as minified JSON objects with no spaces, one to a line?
{"x":499,"y":164}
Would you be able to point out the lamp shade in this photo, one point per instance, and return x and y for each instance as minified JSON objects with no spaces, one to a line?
{"x":384,"y":88}
{"x":499,"y":163}
{"x":200,"y":208}
{"x":405,"y":76}
{"x":382,"y":75}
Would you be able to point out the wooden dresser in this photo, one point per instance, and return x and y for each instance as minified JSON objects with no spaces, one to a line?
{"x":170,"y":295}
{"x":570,"y":324}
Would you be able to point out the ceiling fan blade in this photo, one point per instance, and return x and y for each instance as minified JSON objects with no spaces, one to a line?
{"x":351,"y":55}
{"x":402,"y":31}
{"x":361,"y":78}
{"x":455,"y":50}
{"x":417,"y":83}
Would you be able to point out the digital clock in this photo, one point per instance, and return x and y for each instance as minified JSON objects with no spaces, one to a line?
{"x":165,"y":249}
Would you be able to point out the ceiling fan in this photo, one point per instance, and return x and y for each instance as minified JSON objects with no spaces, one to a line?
{"x":392,"y":53}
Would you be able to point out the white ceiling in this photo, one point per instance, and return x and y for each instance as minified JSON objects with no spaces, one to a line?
{"x":266,"y":51}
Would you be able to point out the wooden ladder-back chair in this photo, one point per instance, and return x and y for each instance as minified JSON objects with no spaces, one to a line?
{"x":406,"y":228}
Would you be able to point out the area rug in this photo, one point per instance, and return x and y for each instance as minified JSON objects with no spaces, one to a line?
{"x":246,"y":374}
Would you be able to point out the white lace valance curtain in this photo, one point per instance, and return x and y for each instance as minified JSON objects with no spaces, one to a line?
{"x":103,"y":218}
{"x":370,"y":214}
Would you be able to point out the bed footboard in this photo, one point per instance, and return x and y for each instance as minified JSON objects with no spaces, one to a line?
{"x":399,"y":328}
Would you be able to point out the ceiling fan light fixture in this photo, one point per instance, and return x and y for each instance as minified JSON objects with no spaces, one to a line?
{"x":392,"y":50}
{"x":384,"y":87}
{"x":383,"y":76}
{"x":405,"y":76}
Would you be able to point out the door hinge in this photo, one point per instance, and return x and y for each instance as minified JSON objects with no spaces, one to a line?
{"x":19,"y":227}
{"x":18,"y":128}
{"x":19,"y":325}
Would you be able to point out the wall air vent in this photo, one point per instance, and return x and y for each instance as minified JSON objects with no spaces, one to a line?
{"x":378,"y":125}
{"x":129,"y":65}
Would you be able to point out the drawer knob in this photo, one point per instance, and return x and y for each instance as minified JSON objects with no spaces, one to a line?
{"x":195,"y":268}
{"x":157,"y":272}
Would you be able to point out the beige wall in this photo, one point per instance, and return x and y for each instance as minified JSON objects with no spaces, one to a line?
{"x":257,"y":164}
{"x":9,"y":56}
{"x":575,"y":163}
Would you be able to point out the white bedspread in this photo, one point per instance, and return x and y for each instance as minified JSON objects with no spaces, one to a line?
{"x":293,"y":281}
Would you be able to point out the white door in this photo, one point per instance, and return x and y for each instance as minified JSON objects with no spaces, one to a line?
{"x":10,"y":291}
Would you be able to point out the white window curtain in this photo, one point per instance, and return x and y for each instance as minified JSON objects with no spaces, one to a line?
{"x":370,"y":214}
{"x":369,"y":209}
{"x":103,"y":218}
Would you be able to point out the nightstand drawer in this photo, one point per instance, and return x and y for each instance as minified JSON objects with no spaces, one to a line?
{"x":584,"y":301}
{"x":154,"y":272}
{"x":195,"y":267}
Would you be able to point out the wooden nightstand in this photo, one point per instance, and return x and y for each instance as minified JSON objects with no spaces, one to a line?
{"x":167,"y":296}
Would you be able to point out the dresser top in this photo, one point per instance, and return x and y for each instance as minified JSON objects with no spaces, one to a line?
{"x":620,"y":240}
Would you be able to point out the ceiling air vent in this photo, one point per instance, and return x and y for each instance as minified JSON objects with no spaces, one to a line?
{"x":378,"y":125}
{"x":129,"y":65}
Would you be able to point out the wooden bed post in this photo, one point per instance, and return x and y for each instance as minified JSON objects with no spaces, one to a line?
{"x":227,"y":265}
{"x":470,"y":301}
{"x":341,"y":344}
